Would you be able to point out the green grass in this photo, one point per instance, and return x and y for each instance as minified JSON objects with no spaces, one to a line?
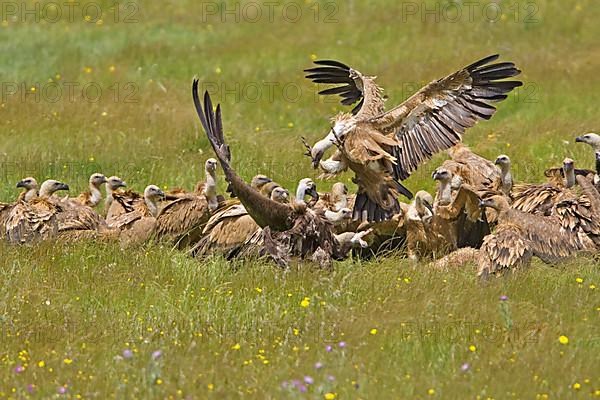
{"x":76,"y":308}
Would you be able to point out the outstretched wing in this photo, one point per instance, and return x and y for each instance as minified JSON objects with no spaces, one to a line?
{"x":354,"y":87}
{"x":263,"y":210}
{"x":435,"y":118}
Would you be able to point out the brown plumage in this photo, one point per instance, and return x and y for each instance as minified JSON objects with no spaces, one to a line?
{"x":457,"y":259}
{"x":540,"y":199}
{"x":519,"y":236}
{"x":457,"y":215}
{"x":125,"y":202}
{"x":294,"y":226}
{"x":473,"y":170}
{"x":36,"y":220}
{"x":182,"y":221}
{"x":564,"y":177}
{"x":384,"y":148}
{"x":138,"y":224}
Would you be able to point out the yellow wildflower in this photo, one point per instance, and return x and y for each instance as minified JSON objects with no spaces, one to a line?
{"x":563,"y":339}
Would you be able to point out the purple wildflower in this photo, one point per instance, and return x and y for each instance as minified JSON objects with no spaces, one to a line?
{"x":503,"y":297}
{"x":342,"y":344}
{"x":127,"y":354}
{"x":309,"y":380}
{"x":318,"y":365}
{"x":19,"y":368}
{"x":465,"y":367}
{"x":156,"y":354}
{"x":62,"y":390}
{"x":330,"y":378}
{"x":328,"y":348}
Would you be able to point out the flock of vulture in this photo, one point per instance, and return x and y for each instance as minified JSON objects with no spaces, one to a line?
{"x":478,"y":214}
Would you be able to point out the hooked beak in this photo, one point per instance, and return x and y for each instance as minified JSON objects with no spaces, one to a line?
{"x":482,"y":204}
{"x":497,"y":162}
{"x":317,"y":159}
{"x":162,"y":196}
{"x":579,"y":139}
{"x":63,"y":186}
{"x":312,"y":192}
{"x":21,"y":184}
{"x":122,"y":184}
{"x":435,"y":176}
{"x":428,"y":206}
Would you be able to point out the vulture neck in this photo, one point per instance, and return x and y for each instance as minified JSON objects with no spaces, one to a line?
{"x":340,"y":201}
{"x":598,"y":163}
{"x":210,"y":190}
{"x":445,"y":192}
{"x":569,"y":177}
{"x":30,"y":194}
{"x":506,"y":179}
{"x":152,"y":206}
{"x":336,"y":217}
{"x":96,"y":194}
{"x":300,"y":193}
{"x":325,"y":144}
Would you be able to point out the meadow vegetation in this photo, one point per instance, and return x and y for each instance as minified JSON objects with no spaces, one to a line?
{"x":92,"y":320}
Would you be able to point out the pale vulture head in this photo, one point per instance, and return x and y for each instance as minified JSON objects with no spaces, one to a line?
{"x":210,"y":166}
{"x":97,"y":180}
{"x":153,"y":193}
{"x":306,"y":187}
{"x":28,"y":183}
{"x":342,"y":124}
{"x":339,"y":189}
{"x":503,"y":161}
{"x":423,"y":200}
{"x":259,"y":181}
{"x":114,"y":182}
{"x":52,"y":186}
{"x":591,"y":139}
{"x":498,"y":203}
{"x":442,"y":175}
{"x":280,"y":195}
{"x":568,"y":164}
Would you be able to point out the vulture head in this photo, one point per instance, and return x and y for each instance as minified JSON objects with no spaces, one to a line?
{"x":497,"y":202}
{"x":259,"y":181}
{"x":28,"y":183}
{"x":591,"y":139}
{"x":503,"y":161}
{"x":339,"y":189}
{"x":442,"y":175}
{"x":96,"y":180}
{"x":280,"y":195}
{"x":423,"y":200}
{"x":153,"y":192}
{"x":50,"y":187}
{"x":210,"y":166}
{"x":306,"y":187}
{"x":114,"y":182}
{"x":342,"y":124}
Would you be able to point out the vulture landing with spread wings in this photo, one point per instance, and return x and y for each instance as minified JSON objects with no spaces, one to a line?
{"x":384,"y":148}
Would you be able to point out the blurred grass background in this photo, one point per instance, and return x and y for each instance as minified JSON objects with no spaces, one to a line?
{"x":69,"y":313}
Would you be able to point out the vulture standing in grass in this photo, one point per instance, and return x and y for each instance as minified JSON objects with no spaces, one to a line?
{"x":503,"y":183}
{"x":540,"y":198}
{"x":231,"y":226}
{"x":93,"y":196}
{"x":35,"y":220}
{"x":113,"y":184}
{"x":593,"y":140}
{"x":30,"y":187}
{"x":457,"y":216}
{"x":384,"y":148}
{"x":138,"y":223}
{"x":288,"y":230}
{"x":519,"y":236}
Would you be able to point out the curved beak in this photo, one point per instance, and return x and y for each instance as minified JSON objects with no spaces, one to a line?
{"x":497,"y":162}
{"x":435,"y":175}
{"x":428,"y":206}
{"x":579,"y":139}
{"x":312,"y":192}
{"x":122,"y":184}
{"x":482,"y":204}
{"x":317,"y":159}
{"x":21,"y":184}
{"x":63,"y":186}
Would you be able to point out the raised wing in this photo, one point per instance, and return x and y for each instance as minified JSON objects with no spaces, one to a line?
{"x":435,"y":118}
{"x":264,"y":211}
{"x":354,"y":87}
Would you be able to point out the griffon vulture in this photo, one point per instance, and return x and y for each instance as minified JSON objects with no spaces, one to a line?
{"x":35,"y":220}
{"x":294,"y":228}
{"x":520,"y":236}
{"x":93,"y":196}
{"x":138,"y":223}
{"x":384,"y":148}
{"x":113,"y":184}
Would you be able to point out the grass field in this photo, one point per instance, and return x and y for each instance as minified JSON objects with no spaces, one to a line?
{"x":94,"y":321}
